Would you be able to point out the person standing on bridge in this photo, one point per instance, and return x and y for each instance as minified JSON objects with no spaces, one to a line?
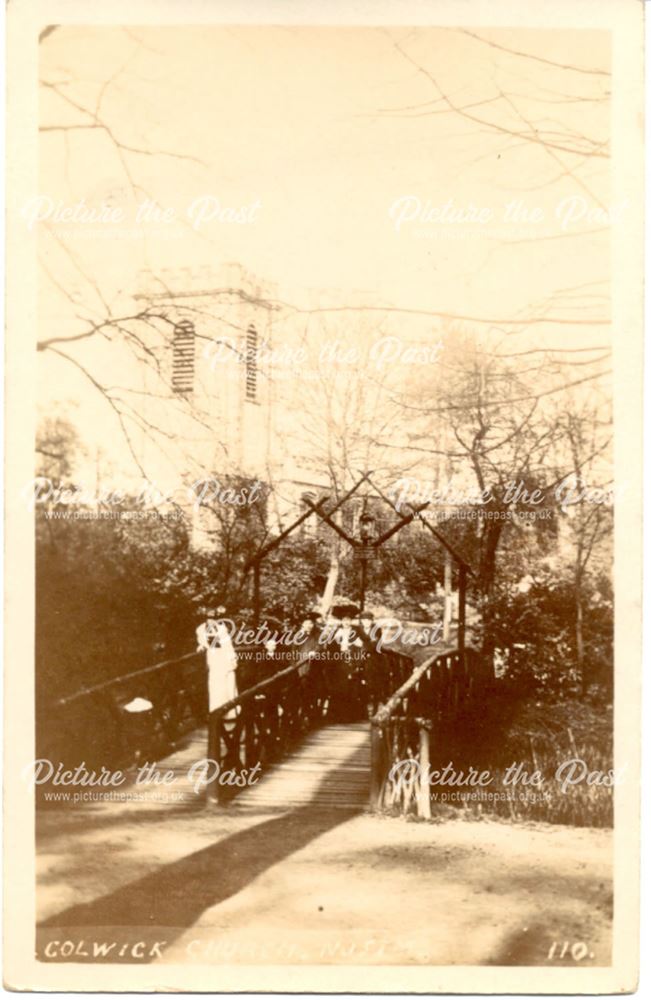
{"x":308,"y":629}
{"x":213,"y":638}
{"x":345,"y":686}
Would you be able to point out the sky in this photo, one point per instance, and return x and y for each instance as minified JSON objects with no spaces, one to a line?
{"x":332,"y":142}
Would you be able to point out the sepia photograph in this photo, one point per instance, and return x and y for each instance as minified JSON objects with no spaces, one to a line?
{"x":329,"y":382}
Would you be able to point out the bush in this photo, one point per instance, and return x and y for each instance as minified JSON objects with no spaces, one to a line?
{"x":538,"y":627}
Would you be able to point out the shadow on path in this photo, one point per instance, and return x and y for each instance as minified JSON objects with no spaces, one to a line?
{"x":175,"y":896}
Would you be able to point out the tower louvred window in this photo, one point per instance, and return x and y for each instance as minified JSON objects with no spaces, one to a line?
{"x":183,"y":357}
{"x":252,"y":363}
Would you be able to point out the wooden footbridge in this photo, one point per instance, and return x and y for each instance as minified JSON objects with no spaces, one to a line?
{"x":318,"y":732}
{"x":312,"y":724}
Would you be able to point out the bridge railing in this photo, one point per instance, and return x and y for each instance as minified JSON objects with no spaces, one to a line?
{"x":142,"y":716}
{"x":137,"y":716}
{"x":266,"y":721}
{"x":126,"y":719}
{"x":435,"y":694}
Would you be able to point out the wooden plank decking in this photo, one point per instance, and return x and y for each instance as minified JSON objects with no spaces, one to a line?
{"x":330,"y":769}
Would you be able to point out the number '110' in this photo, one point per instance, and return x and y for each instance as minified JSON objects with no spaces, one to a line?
{"x":577,"y":950}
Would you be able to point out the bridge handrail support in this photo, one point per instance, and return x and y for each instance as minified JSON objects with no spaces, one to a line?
{"x":387,"y":714}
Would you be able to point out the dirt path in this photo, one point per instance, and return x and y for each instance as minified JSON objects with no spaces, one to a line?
{"x":325,"y":886}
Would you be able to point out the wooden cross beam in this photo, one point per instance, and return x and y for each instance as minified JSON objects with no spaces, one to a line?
{"x":327,"y":517}
{"x":400,"y":524}
{"x":333,"y":524}
{"x":415,"y":510}
{"x":463,"y":566}
{"x":312,"y":509}
{"x":266,"y":549}
{"x":357,"y":542}
{"x":255,"y":561}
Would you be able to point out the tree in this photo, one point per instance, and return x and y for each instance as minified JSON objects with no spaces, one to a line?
{"x":501,"y":432}
{"x":586,"y":505}
{"x":57,"y":444}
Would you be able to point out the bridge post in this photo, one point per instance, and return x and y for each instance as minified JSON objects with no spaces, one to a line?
{"x":375,"y":801}
{"x":424,"y":804}
{"x":213,"y":752}
{"x":447,"y":596}
{"x":461,"y":630}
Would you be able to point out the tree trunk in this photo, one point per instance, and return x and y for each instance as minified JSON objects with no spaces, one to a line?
{"x":580,"y":647}
{"x":331,"y":582}
{"x":490,"y":541}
